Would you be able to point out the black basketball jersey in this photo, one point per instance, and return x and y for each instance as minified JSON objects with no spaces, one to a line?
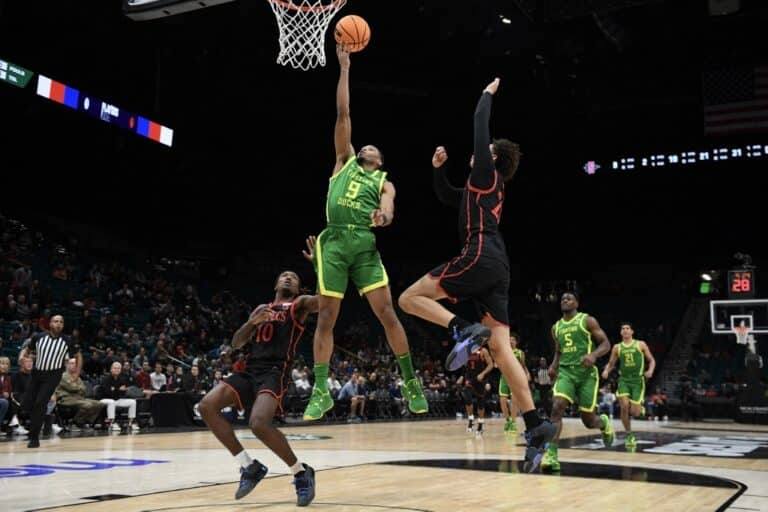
{"x":479,"y":217}
{"x":475,"y":365}
{"x":274,"y":343}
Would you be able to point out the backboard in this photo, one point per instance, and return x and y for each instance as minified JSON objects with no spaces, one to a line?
{"x":726,"y":315}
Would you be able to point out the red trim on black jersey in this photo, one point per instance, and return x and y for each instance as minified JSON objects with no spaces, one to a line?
{"x":487,"y":190}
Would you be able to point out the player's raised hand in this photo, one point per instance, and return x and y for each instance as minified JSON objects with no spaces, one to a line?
{"x":343,"y":54}
{"x":493,"y":86}
{"x":310,"y":252}
{"x":440,"y":157}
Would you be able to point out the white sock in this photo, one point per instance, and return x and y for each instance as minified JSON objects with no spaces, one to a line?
{"x":297,"y":468}
{"x":244,"y":459}
{"x":481,"y":420}
{"x":471,"y":417}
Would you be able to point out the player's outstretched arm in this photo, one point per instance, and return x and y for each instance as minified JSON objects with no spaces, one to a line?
{"x":483,"y":176}
{"x":342,"y":133}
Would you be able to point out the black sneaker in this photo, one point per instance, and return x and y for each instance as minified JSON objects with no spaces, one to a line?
{"x":536,"y":441}
{"x":305,"y":486}
{"x":249,"y":477}
{"x":467,"y":340}
{"x":33,"y":443}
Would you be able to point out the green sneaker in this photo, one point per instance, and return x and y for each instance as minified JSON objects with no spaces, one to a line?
{"x":511,"y":426}
{"x":412,"y":392}
{"x":507,"y":425}
{"x":631,"y":442}
{"x":319,"y":403}
{"x":607,"y":430}
{"x":550,"y":462}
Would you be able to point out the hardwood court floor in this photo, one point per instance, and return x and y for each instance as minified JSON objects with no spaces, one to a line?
{"x":420,"y":465}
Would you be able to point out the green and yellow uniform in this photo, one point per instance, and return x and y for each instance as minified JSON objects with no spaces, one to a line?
{"x":631,"y":368}
{"x":575,"y":382}
{"x":346,"y":248}
{"x":503,"y":385}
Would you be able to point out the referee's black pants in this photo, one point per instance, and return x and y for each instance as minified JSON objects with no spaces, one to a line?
{"x":42,"y":384}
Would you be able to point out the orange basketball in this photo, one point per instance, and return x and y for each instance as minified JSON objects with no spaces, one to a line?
{"x":353,"y":32}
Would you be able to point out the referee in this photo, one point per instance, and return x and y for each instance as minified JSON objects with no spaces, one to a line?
{"x":53,"y":350}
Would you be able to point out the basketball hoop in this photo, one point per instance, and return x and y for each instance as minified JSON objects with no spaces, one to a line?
{"x":742,"y":333}
{"x":302,"y":27}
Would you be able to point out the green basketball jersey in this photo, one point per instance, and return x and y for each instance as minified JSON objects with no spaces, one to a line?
{"x":573,"y":339}
{"x":631,"y":360}
{"x":353,"y":193}
{"x":518,"y":354}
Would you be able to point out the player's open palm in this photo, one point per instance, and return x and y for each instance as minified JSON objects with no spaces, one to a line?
{"x":440,"y":157}
{"x":309,"y":254}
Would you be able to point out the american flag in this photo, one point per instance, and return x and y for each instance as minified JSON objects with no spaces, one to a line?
{"x":735,"y":100}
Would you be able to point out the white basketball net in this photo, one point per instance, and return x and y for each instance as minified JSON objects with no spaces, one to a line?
{"x":302,"y":25}
{"x":742,"y":334}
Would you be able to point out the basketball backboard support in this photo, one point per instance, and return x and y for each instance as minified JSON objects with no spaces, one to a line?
{"x":726,"y":315}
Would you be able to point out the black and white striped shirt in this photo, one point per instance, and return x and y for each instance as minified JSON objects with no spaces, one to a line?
{"x":51,"y":352}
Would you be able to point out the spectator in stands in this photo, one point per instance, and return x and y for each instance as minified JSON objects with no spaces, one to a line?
{"x":6,"y":388}
{"x":71,"y":393}
{"x":353,"y":392}
{"x":93,"y":369}
{"x":143,"y":379}
{"x":217,"y":378}
{"x":129,"y":374}
{"x":112,"y":393}
{"x":158,"y":378}
{"x":608,"y":401}
{"x":176,"y":382}
{"x":658,"y":403}
{"x":140,"y":359}
{"x":334,"y":386}
{"x":303,"y":387}
{"x":194,"y":384}
{"x":20,"y":384}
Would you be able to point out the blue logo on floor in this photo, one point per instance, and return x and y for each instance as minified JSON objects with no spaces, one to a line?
{"x":73,"y":465}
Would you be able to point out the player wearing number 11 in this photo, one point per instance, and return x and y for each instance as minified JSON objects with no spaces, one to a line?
{"x":359,"y":198}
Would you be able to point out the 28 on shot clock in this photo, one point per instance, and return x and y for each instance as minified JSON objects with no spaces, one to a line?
{"x":741,"y":284}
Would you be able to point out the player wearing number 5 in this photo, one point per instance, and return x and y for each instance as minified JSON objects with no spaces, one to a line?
{"x":270,"y":336}
{"x":631,"y":354}
{"x":359,"y":198}
{"x":577,"y":381}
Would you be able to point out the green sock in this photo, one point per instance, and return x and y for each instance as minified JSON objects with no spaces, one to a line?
{"x":321,"y":376}
{"x":406,"y":366}
{"x":552,"y":448}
